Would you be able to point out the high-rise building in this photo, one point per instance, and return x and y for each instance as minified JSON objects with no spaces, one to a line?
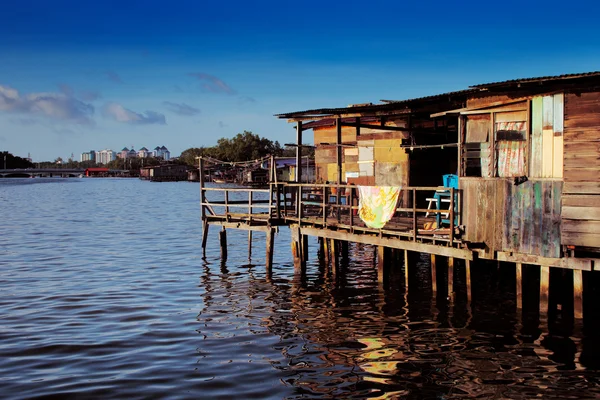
{"x":89,"y":156}
{"x":105,"y":156}
{"x":162,"y":152}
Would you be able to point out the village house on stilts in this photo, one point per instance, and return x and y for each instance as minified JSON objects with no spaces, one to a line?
{"x":506,"y":171}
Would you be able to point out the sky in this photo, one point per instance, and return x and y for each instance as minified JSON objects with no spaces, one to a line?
{"x":78,"y":76}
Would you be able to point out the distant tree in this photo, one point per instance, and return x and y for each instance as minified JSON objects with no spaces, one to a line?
{"x":14,"y":162}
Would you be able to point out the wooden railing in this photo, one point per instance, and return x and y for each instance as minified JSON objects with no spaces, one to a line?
{"x":337,"y":207}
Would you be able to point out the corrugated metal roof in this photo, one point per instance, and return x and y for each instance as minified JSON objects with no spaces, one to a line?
{"x":538,"y":79}
{"x":388,"y":105}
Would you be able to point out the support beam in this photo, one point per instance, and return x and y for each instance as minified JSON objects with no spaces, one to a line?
{"x":223,"y":242}
{"x":578,"y":294}
{"x":299,"y":152}
{"x":544,"y":289}
{"x":205,"y":226}
{"x":304,"y":242}
{"x":451,"y":278}
{"x":406,"y":270}
{"x":270,"y":242}
{"x":519,"y":289}
{"x":338,"y":150}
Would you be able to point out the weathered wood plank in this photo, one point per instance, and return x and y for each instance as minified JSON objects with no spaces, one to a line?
{"x":556,"y":218}
{"x":546,"y":245}
{"x":527,"y":239}
{"x":581,"y":200}
{"x":573,"y":174}
{"x":581,"y":187}
{"x":575,"y":149}
{"x":581,"y":239}
{"x":582,"y":213}
{"x":498,"y":223}
{"x":557,"y":155}
{"x":535,"y":170}
{"x":578,"y":134}
{"x":574,"y":226}
{"x":507,"y":223}
{"x":547,"y":112}
{"x":516,"y":223}
{"x":488,"y":222}
{"x":558,"y":114}
{"x":537,"y":210}
{"x":392,"y":243}
{"x":547,"y":152}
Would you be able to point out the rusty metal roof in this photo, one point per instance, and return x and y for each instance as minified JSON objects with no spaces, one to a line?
{"x":388,"y":105}
{"x":540,"y":79}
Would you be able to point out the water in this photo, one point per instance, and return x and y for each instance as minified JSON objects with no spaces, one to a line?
{"x":105,"y":294}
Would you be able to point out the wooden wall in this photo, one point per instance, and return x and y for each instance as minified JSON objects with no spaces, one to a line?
{"x":581,"y":194}
{"x":547,"y":120}
{"x":522,"y":219}
{"x":373,"y":158}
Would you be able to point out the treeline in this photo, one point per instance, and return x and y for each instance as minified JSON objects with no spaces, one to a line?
{"x":242,"y":147}
{"x":13,"y":162}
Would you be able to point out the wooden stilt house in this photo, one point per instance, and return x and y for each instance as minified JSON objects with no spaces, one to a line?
{"x":529,"y":156}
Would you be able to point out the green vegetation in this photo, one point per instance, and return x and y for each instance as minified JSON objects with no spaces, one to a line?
{"x":242,"y":147}
{"x":13,"y":162}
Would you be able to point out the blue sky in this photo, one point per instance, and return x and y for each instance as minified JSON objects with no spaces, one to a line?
{"x":76,"y":76}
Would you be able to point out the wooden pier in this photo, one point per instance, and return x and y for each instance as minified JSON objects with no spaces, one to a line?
{"x":507,"y":172}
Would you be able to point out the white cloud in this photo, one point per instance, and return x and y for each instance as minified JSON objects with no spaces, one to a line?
{"x":121,"y":114}
{"x":212,"y":83}
{"x":57,"y":106}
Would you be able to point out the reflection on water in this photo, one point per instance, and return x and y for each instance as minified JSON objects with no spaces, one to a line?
{"x":105,"y":293}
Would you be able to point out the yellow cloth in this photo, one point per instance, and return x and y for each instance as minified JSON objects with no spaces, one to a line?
{"x":377,"y":204}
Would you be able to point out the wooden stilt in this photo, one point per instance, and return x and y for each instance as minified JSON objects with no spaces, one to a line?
{"x":296,"y":248}
{"x":380,"y":264}
{"x":544,"y":289}
{"x":519,"y":289}
{"x":205,"y":226}
{"x":304,"y":241}
{"x":223,"y":241}
{"x":321,"y":252}
{"x":433,"y":276}
{"x":406,"y":270}
{"x":270,"y":242}
{"x":578,"y":293}
{"x":451,"y":278}
{"x":250,"y":244}
{"x":468,"y":279}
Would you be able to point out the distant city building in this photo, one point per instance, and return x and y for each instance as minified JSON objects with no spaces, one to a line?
{"x":162,"y":152}
{"x":89,"y":156}
{"x":123,"y":153}
{"x":143,"y":153}
{"x":105,"y":156}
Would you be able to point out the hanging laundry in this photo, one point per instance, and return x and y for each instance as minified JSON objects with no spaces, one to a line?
{"x":377,"y":204}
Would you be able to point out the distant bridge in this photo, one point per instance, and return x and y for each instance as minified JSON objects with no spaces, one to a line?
{"x":51,"y":172}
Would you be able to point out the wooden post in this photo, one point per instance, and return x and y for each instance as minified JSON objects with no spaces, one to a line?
{"x":270,"y":242}
{"x":380,"y":264}
{"x":299,"y":152}
{"x":223,"y":241}
{"x":519,"y":290}
{"x":433,"y":276}
{"x":468,"y":279}
{"x":451,"y":217}
{"x":578,"y":293}
{"x":406,"y":270}
{"x":321,"y":252}
{"x":205,"y":226}
{"x":544,"y":289}
{"x":451,"y":278}
{"x":414,"y":201}
{"x":201,"y":172}
{"x":304,"y":241}
{"x":338,"y":123}
{"x":226,"y":205}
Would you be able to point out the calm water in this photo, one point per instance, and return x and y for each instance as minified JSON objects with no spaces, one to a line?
{"x":105,"y":294}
